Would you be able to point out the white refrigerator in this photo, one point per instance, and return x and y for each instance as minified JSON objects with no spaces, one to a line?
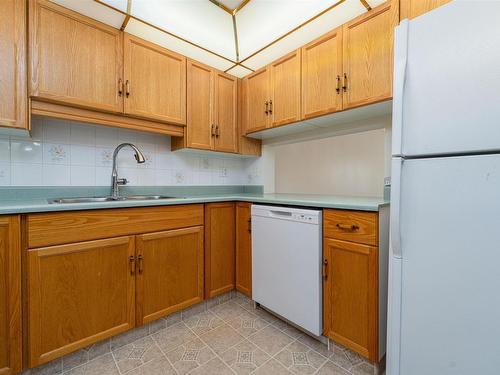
{"x":444,"y":272}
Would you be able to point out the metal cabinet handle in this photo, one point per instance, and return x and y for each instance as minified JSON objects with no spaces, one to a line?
{"x":217,"y":131}
{"x":212,"y":130}
{"x":131,"y":262}
{"x":350,"y":227}
{"x":325,"y":269}
{"x":140,"y":258}
{"x":338,"y":85}
{"x":120,"y":87}
{"x":250,"y":225}
{"x":344,"y":87}
{"x":270,"y":107}
{"x":267,"y":108}
{"x":127,"y":88}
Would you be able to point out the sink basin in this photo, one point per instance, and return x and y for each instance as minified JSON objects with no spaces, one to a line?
{"x":109,"y":199}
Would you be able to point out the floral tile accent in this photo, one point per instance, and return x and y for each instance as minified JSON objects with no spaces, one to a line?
{"x":246,"y":324}
{"x":190,"y":356}
{"x":300,"y":359}
{"x":136,"y":354}
{"x":58,"y":153}
{"x":244,"y":357}
{"x":203,"y":322}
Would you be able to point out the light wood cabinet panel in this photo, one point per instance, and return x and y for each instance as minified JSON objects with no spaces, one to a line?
{"x":74,"y":59}
{"x":355,"y":226}
{"x":284,"y":104}
{"x":350,"y":296}
{"x":169,"y":272}
{"x":219,"y":248}
{"x":200,"y":116}
{"x":257,"y":100}
{"x":246,"y":145}
{"x":10,"y":295}
{"x":13,"y":100}
{"x":244,"y":248}
{"x":414,"y":8}
{"x":79,"y":294}
{"x":155,"y":81}
{"x":322,"y":75}
{"x":225,"y":103}
{"x":368,"y":56}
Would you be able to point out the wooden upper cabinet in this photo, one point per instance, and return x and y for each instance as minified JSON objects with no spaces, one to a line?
{"x":322,"y":75}
{"x":257,"y":100}
{"x":368,"y":56}
{"x":350,"y":296}
{"x":226,"y":107}
{"x":219,"y":248}
{"x":246,"y":145}
{"x":244,"y":248}
{"x":155,"y":81}
{"x":10,"y":295}
{"x":414,"y":8}
{"x":74,"y":60}
{"x":169,"y":272}
{"x":284,"y":101}
{"x":13,"y":100}
{"x":79,"y":294}
{"x":200,"y":91}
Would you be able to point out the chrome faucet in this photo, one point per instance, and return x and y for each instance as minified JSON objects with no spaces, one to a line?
{"x":115,"y":181}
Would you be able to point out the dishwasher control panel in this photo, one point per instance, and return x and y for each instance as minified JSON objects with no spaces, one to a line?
{"x":288,"y":213}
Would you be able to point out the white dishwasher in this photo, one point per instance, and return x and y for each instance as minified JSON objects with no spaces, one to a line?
{"x":287,"y":263}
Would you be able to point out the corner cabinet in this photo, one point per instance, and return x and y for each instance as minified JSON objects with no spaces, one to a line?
{"x":13,"y":101}
{"x":244,"y":248}
{"x":257,"y":100}
{"x":219,"y":248}
{"x":10,"y":295}
{"x":414,"y":8}
{"x":169,"y":272}
{"x":154,"y":81}
{"x":85,"y":74}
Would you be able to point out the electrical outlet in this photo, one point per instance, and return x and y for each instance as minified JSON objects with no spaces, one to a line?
{"x":387,"y":181}
{"x":223,"y":172}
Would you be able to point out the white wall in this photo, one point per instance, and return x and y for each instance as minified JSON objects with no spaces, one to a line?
{"x":353,"y":164}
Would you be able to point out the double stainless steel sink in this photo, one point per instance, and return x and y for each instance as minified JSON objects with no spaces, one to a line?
{"x":109,"y":199}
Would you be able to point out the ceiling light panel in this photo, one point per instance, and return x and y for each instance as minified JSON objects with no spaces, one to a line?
{"x":118,"y":4}
{"x":94,"y":10}
{"x":332,"y":19}
{"x":374,"y":3}
{"x":156,"y":36}
{"x":262,"y":21}
{"x":198,"y":21}
{"x":231,"y":4}
{"x":239,"y":71}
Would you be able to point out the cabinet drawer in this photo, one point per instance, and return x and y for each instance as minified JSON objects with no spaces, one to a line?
{"x":354,"y":226}
{"x":56,"y":228}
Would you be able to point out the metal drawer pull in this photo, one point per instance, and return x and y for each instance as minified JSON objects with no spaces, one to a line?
{"x":270,"y":107}
{"x":131,"y":261}
{"x":267,"y":108}
{"x":352,"y":227}
{"x":140,"y":258}
{"x":345,"y":83}
{"x":120,"y":87}
{"x":250,"y":225}
{"x":127,"y":88}
{"x":338,"y":85}
{"x":325,"y":269}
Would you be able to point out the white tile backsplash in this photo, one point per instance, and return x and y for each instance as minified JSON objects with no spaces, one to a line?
{"x":64,"y":153}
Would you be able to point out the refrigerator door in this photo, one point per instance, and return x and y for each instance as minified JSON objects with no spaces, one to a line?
{"x":447,"y":67}
{"x":450,"y":268}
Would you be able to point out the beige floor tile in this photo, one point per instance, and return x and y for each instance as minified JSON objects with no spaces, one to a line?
{"x":171,"y":337}
{"x":317,"y":345}
{"x":51,"y":368}
{"x":189,"y":356}
{"x":213,"y":367}
{"x":272,"y":367}
{"x":158,"y":366}
{"x":221,"y":338}
{"x":228,"y":310}
{"x":329,"y":368}
{"x":104,"y":365}
{"x":244,"y":357}
{"x":203,"y":322}
{"x":300,"y":359}
{"x":136,"y":354}
{"x":271,"y":340}
{"x":246,"y":324}
{"x":268,"y":317}
{"x":363,"y":368}
{"x":193,"y":310}
{"x":345,"y":358}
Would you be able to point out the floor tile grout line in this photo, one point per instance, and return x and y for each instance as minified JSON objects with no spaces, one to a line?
{"x":163,"y":352}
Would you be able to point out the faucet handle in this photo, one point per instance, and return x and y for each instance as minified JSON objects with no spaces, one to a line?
{"x":122,"y":181}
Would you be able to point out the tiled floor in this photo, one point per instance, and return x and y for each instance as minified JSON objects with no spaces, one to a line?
{"x":228,"y":338}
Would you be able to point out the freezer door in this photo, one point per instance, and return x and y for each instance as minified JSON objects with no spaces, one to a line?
{"x":450,"y":266}
{"x":446,"y":89}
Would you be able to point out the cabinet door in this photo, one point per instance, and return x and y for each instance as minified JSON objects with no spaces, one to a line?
{"x":13,"y":101}
{"x":414,"y":8}
{"x":155,"y":81}
{"x":322,"y":75}
{"x":258,"y":100}
{"x":219,"y":248}
{"x":200,"y":118}
{"x":79,"y":294}
{"x":225,"y":103}
{"x":244,"y":248}
{"x":368,"y":56}
{"x":284,"y":105}
{"x":350,"y":296}
{"x":246,"y":145}
{"x":10,"y":295}
{"x":74,"y":59}
{"x":169,"y":272}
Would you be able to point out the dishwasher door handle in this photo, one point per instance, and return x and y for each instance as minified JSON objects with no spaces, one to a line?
{"x":277,"y":213}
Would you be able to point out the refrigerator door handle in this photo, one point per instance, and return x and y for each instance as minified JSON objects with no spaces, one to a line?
{"x":397,"y":166}
{"x":400,"y":63}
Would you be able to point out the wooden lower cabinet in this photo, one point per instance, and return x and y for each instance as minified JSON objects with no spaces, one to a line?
{"x":78,"y":294}
{"x":244,"y":248}
{"x":169,"y":272}
{"x":350,"y":296}
{"x":219,"y":248}
{"x":10,"y":295}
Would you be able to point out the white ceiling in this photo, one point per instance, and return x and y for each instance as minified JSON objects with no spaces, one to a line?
{"x":186,"y":25}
